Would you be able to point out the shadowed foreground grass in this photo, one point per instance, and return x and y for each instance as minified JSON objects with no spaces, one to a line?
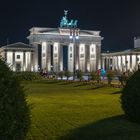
{"x":71,"y":111}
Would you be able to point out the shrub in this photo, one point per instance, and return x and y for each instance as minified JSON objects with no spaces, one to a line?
{"x":130,"y":98}
{"x":80,"y":75}
{"x":61,"y":74}
{"x":14,"y":110}
{"x":123,"y":78}
{"x":67,"y":74}
{"x":28,"y":76}
{"x":110,"y":76}
{"x":95,"y":76}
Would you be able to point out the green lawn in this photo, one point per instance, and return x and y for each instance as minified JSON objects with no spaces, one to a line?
{"x":77,"y":112}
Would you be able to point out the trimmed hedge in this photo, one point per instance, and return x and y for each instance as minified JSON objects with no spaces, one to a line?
{"x":28,"y":76}
{"x":130,"y":98}
{"x":14,"y":110}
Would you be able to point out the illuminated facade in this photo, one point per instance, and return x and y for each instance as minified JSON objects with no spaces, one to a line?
{"x":18,"y":56}
{"x":66,"y":47}
{"x":46,"y":52}
{"x":122,"y":61}
{"x":49,"y":44}
{"x":57,"y":49}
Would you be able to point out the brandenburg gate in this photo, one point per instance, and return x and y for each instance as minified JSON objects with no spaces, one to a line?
{"x":82,"y":47}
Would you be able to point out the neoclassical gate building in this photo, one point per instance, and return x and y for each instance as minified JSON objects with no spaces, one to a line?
{"x":66,"y":47}
{"x":54,"y":46}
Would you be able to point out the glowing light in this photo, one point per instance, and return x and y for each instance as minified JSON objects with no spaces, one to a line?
{"x":77,"y":37}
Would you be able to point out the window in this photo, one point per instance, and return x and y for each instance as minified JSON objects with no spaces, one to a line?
{"x":92,"y":49}
{"x":92,"y":56}
{"x":82,"y":49}
{"x":55,"y":49}
{"x":43,"y":48}
{"x":81,"y":55}
{"x":55,"y":55}
{"x":70,"y":54}
{"x":43,"y":54}
{"x":71,"y":49}
{"x":18,"y":56}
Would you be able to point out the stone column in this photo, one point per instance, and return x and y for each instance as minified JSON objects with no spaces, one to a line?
{"x":106,"y":62}
{"x":109,"y":60}
{"x":5,"y":55}
{"x":98,"y":53}
{"x":82,"y":57}
{"x":133,"y":61}
{"x":24,"y":62}
{"x":93,"y":57}
{"x":56,"y":56}
{"x":30,"y":63}
{"x":87,"y":58}
{"x":116,"y":63}
{"x":136,"y":61}
{"x":35,"y":56}
{"x":102,"y":62}
{"x":70,"y":57}
{"x":60,"y":58}
{"x":130,"y":61}
{"x":13,"y":64}
{"x":48,"y":57}
{"x":119,"y":63}
{"x":113,"y":63}
{"x":77,"y":55}
{"x":43,"y":55}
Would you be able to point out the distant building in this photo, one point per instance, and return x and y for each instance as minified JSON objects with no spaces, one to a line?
{"x":136,"y":42}
{"x":126,"y":60}
{"x":19,"y":56}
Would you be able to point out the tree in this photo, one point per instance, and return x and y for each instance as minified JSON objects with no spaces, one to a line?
{"x":110,"y":76}
{"x":67,"y":74}
{"x":14,"y":110}
{"x":130,"y":98}
{"x":61,"y":74}
{"x":123,"y":78}
{"x":80,"y":75}
{"x":93,"y":75}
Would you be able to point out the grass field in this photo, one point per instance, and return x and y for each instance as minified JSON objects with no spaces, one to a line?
{"x":64,"y":111}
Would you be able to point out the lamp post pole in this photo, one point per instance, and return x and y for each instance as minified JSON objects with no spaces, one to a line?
{"x":74,"y":57}
{"x":74,"y":35}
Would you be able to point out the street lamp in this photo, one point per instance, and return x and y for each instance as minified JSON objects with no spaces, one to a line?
{"x":74,"y":35}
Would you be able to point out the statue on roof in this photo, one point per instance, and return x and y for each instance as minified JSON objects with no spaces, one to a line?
{"x":75,"y":23}
{"x":65,"y":12}
{"x":64,"y":21}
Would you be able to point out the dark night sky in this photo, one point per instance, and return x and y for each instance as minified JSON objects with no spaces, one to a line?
{"x":118,"y":20}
